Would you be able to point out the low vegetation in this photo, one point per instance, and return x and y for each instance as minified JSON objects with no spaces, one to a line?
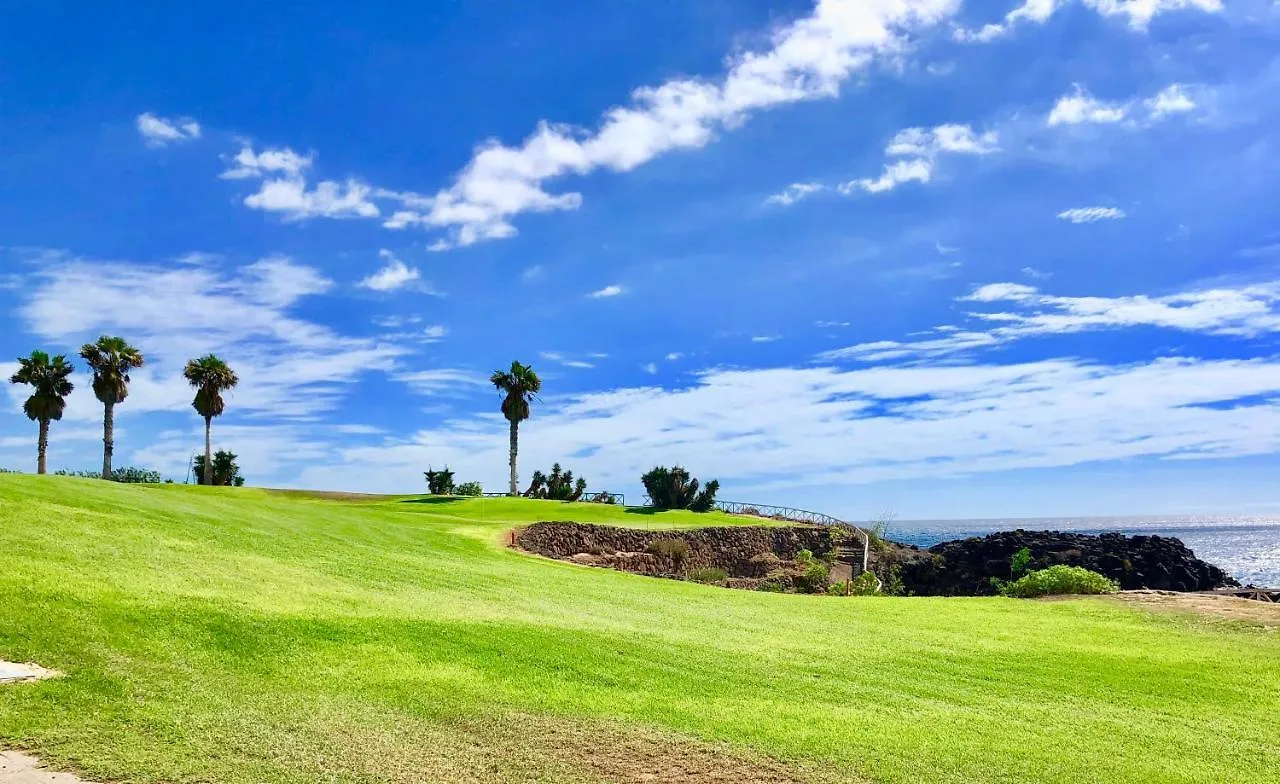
{"x":559,"y":485}
{"x":225,"y":470}
{"x":1059,"y":580}
{"x":260,"y":638}
{"x":675,"y":488}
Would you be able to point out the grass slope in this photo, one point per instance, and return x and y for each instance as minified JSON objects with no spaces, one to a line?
{"x":237,"y":635}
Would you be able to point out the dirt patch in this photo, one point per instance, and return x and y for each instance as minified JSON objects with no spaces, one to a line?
{"x":1230,"y":607}
{"x":522,"y":747}
{"x":14,"y":672}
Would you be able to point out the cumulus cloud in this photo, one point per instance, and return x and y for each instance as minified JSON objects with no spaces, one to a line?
{"x":284,"y":188}
{"x":919,"y":148}
{"x":1091,"y":214}
{"x":1171,"y":100}
{"x":1242,"y":312}
{"x":395,"y":274}
{"x":1081,"y":107}
{"x":159,"y":131}
{"x":808,"y":59}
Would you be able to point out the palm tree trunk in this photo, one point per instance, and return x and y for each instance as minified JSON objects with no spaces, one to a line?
{"x":42,"y":448}
{"x":108,"y":437}
{"x":208,"y":451}
{"x":515,"y":426}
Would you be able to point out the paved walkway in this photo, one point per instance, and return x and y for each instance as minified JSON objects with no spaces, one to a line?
{"x":18,"y":768}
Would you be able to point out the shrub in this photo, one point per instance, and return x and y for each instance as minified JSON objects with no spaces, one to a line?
{"x":557,"y":486}
{"x":226,"y":472}
{"x":603,"y":498}
{"x":710,"y":574}
{"x":132,"y":475}
{"x":1059,"y":580}
{"x":675,"y":549}
{"x":439,"y":482}
{"x":674,"y":488}
{"x":1019,"y":562}
{"x":469,"y":489}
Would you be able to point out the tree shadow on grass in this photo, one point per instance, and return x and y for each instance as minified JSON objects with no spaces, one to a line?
{"x":643,"y":510}
{"x":435,"y":499}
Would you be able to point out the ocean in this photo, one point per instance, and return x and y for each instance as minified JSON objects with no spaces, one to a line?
{"x":1248,"y":547}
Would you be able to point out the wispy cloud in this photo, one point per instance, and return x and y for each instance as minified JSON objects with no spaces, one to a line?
{"x":1091,"y":214}
{"x":289,"y":367}
{"x":611,"y":290}
{"x":1138,"y":13}
{"x":159,"y":131}
{"x":794,"y":193}
{"x":916,"y":151}
{"x":1242,"y":312}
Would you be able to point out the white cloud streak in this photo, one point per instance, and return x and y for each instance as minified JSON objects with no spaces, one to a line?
{"x":159,"y":131}
{"x":1091,"y":214}
{"x":918,"y":149}
{"x":1242,"y":312}
{"x":611,"y":290}
{"x":795,"y":192}
{"x":1138,"y":13}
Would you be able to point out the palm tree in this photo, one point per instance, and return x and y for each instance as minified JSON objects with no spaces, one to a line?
{"x":520,"y":384}
{"x":48,"y":379}
{"x":110,"y":359}
{"x":211,"y":377}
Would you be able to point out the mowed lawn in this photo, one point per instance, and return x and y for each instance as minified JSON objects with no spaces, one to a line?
{"x":239,"y":635}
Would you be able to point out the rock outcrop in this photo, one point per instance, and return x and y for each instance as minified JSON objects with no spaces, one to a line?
{"x":965,"y":567}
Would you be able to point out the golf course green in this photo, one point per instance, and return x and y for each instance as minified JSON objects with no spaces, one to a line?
{"x":210,"y":634}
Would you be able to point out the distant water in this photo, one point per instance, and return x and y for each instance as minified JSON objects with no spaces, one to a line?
{"x":1246,"y":547}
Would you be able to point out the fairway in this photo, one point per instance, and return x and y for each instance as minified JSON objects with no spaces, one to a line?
{"x":241,"y":635}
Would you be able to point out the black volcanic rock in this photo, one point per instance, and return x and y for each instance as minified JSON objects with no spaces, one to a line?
{"x":965,"y":567}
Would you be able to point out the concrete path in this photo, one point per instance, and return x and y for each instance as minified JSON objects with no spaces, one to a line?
{"x":18,"y":768}
{"x":12,"y":672}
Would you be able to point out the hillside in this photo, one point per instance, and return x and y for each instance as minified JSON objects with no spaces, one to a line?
{"x":239,"y":635}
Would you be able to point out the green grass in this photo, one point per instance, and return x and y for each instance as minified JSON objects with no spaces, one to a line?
{"x":237,"y":635}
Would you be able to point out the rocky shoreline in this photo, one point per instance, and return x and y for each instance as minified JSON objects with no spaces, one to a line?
{"x":781,"y":557}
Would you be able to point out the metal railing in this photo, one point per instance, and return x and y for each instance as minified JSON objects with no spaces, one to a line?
{"x":794,"y":515}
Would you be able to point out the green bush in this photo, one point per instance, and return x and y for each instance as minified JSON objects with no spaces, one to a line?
{"x":226,"y":471}
{"x":675,"y":488}
{"x":1019,"y":563}
{"x":439,"y":482}
{"x":559,"y":485}
{"x":469,"y":488}
{"x":1058,"y":580}
{"x":710,"y":574}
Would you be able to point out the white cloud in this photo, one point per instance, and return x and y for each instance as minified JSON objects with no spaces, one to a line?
{"x":288,"y":366}
{"x":1139,"y":14}
{"x":1242,"y":312}
{"x":530,"y":274}
{"x":271,"y":161}
{"x":794,"y":193}
{"x":841,"y":427}
{"x":809,"y":59}
{"x":394,"y":275}
{"x":158,"y":131}
{"x":1171,"y":100}
{"x":557,"y":357}
{"x":673,"y":356}
{"x":1081,"y":107}
{"x":442,"y":381}
{"x":1091,"y":214}
{"x":434,"y":333}
{"x":921,"y":147}
{"x":612,"y":290}
{"x":651,"y":368}
{"x":895,"y":174}
{"x":765,"y":338}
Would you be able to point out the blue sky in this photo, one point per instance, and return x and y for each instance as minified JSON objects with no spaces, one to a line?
{"x":944,"y":259}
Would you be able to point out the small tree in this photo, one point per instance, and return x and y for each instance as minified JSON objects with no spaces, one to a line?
{"x":559,"y":485}
{"x":225,"y":472}
{"x":439,"y":482}
{"x":519,"y":386}
{"x":674,"y":488}
{"x":110,"y":359}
